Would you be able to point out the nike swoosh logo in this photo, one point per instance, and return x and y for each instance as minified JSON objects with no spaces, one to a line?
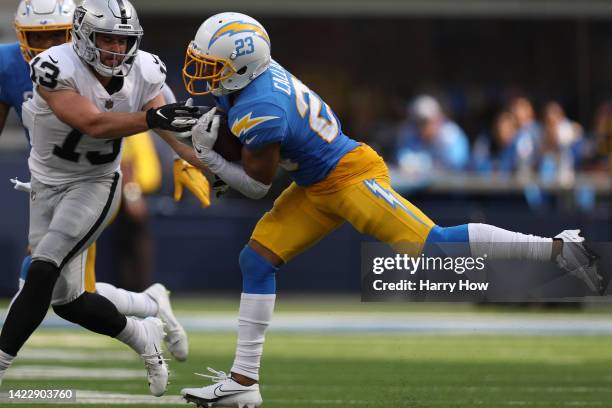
{"x":223,"y":393}
{"x":161,"y":114}
{"x":53,"y":60}
{"x":197,"y":150}
{"x":249,"y":140}
{"x":161,"y":362}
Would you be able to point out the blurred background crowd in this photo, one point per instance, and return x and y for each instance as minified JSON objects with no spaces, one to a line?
{"x":485,"y":110}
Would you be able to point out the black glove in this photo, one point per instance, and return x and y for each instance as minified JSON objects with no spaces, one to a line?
{"x":176,"y":117}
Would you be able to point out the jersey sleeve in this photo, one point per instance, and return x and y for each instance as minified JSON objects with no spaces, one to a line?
{"x":153,"y":72}
{"x":53,"y":71}
{"x":259,"y":124}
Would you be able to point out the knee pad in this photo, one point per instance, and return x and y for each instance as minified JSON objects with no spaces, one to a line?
{"x":41,"y":276}
{"x":258,"y":275}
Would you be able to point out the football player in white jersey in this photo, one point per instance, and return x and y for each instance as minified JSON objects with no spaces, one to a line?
{"x":39,"y":25}
{"x":87,"y":95}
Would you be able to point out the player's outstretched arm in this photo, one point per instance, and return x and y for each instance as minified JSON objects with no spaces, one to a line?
{"x":80,"y":113}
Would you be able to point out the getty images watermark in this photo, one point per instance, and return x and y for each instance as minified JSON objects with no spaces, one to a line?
{"x":445,"y":274}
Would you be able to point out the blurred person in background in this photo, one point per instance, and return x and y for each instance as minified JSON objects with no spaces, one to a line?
{"x":429,"y":140}
{"x":560,"y":147}
{"x":529,"y":134}
{"x":601,"y":156}
{"x":496,"y":151}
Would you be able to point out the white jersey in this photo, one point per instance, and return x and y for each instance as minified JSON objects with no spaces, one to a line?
{"x":61,"y":154}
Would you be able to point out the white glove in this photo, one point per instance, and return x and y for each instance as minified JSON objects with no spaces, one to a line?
{"x":20,"y":186}
{"x":204,"y":133}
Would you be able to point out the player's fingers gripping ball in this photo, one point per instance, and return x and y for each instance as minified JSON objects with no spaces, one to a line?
{"x":204,"y":133}
{"x":191,"y":178}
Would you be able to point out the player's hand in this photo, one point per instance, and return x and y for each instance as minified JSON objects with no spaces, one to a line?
{"x":204,"y":133}
{"x":176,"y":117}
{"x":219,"y":186}
{"x":21,"y":186}
{"x":187,"y":176}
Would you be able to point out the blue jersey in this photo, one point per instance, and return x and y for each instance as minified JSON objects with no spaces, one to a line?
{"x":278,"y":108}
{"x":15,"y":82}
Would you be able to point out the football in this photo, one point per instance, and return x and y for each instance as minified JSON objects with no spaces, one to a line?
{"x":227,"y":145}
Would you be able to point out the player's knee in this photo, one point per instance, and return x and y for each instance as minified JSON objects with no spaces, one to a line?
{"x":258,"y":275}
{"x":439,"y":234}
{"x":70,"y":311}
{"x":41,"y":276}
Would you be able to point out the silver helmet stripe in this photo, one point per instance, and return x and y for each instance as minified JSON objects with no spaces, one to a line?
{"x":123,"y":12}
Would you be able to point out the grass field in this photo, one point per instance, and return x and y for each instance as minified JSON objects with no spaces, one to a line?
{"x":374,"y":369}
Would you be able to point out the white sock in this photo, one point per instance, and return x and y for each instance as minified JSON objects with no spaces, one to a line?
{"x":134,"y":335}
{"x":254,"y":317}
{"x":5,"y":363}
{"x":499,"y":243}
{"x":137,"y":304}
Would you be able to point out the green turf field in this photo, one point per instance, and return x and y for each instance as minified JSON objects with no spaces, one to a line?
{"x":339,"y":370}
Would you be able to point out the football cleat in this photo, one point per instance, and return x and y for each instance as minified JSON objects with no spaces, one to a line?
{"x":225,"y":392}
{"x":157,"y":369}
{"x":579,"y":261}
{"x":176,"y":337}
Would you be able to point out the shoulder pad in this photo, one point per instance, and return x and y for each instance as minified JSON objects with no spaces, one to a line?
{"x":53,"y":69}
{"x":152,"y":68}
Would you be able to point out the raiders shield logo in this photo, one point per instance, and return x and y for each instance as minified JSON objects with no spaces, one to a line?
{"x":79,"y":13}
{"x":109,"y":104}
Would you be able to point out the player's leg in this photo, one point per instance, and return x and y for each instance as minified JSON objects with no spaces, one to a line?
{"x":373,"y":207}
{"x":91,"y":310}
{"x":154,"y":301}
{"x":290,"y":227}
{"x":30,"y":304}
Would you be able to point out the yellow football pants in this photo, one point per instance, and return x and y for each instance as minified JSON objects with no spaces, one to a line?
{"x":358,"y":190}
{"x":90,"y":269}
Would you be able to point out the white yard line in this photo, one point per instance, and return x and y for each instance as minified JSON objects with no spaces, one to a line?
{"x":34,"y":372}
{"x":50,"y":354}
{"x":410,"y":323}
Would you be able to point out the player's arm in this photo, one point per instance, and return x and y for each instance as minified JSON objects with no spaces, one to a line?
{"x":4,"y":111}
{"x":254,"y":178}
{"x":80,"y":113}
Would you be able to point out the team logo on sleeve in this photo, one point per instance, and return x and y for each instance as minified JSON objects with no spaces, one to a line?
{"x":246,"y":123}
{"x":236,"y":27}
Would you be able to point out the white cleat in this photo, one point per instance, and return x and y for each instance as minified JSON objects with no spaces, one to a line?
{"x":157,"y":369}
{"x":579,"y":261}
{"x":176,"y":337}
{"x":225,"y":392}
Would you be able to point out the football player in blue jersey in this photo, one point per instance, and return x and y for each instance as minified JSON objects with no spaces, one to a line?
{"x":39,"y":25}
{"x":281,"y":122}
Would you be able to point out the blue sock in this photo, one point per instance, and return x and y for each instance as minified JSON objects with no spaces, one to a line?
{"x":25,"y":265}
{"x":258,"y":275}
{"x":449,"y":241}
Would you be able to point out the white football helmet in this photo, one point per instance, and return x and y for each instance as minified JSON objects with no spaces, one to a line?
{"x":228,"y":52}
{"x":114,"y":17}
{"x":42,"y":15}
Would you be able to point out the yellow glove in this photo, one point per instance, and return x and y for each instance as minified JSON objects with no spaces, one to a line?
{"x":185,"y":175}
